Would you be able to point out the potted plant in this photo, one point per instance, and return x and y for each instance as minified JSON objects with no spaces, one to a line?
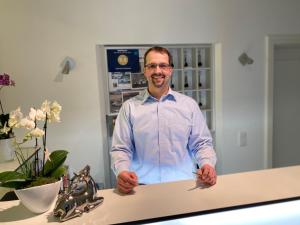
{"x":39,"y":171}
{"x":6,"y":133}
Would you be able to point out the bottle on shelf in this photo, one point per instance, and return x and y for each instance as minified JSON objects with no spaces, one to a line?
{"x":185,"y":58}
{"x":199,"y":61}
{"x":185,"y":62}
{"x":186,"y":83}
{"x":172,"y":85}
{"x":199,"y":77}
{"x":172,"y":52}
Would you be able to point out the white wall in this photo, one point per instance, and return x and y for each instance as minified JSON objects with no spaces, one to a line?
{"x":36,"y":35}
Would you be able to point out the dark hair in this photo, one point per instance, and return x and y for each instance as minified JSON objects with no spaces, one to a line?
{"x":160,"y":50}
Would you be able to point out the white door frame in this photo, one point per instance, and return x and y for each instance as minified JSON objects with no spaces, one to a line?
{"x":271,"y":42}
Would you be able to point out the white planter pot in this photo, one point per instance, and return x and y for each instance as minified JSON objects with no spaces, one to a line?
{"x":40,"y":198}
{"x":6,"y":150}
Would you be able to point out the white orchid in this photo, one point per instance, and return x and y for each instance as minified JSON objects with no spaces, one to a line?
{"x":47,"y":154}
{"x":54,"y":115}
{"x":40,"y":115}
{"x":37,"y":132}
{"x":36,"y":114}
{"x":46,"y":107}
{"x":55,"y":107}
{"x":5,"y":129}
{"x":27,"y":123}
{"x":49,"y":112}
{"x":15,"y":118}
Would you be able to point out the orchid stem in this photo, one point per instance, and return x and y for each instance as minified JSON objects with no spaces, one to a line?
{"x":1,"y":107}
{"x":1,"y":103}
{"x":36,"y":155}
{"x":44,"y":143}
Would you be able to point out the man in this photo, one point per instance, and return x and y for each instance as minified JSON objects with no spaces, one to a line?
{"x":161,"y":135}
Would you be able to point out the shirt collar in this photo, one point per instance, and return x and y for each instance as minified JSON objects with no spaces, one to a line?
{"x":171,"y":95}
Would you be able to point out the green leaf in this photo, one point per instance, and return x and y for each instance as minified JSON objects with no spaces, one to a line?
{"x":59,"y":172}
{"x":14,"y":184}
{"x":11,"y":175}
{"x":17,"y":184}
{"x":12,"y":179}
{"x":57,"y":158}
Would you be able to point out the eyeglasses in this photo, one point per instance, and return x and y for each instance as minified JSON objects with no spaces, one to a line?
{"x":162,"y":66}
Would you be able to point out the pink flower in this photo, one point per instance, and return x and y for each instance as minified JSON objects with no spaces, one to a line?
{"x":5,"y":81}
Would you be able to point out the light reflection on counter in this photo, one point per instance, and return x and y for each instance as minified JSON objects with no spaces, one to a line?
{"x":282,"y":213}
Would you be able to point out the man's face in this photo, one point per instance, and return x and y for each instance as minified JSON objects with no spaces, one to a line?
{"x":157,"y":70}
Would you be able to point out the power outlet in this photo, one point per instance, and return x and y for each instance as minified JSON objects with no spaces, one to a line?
{"x":242,"y":139}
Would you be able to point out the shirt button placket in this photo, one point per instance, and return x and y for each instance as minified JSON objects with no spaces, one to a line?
{"x":160,"y":136}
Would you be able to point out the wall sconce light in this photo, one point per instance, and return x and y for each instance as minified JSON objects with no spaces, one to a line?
{"x":245,"y":59}
{"x":67,"y":65}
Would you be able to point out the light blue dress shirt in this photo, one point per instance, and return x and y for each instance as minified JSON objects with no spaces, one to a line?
{"x":161,"y":140}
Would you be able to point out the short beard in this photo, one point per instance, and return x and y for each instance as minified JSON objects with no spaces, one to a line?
{"x":154,"y":75}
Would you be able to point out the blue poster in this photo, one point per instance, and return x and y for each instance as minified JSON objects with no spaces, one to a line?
{"x":123,"y":60}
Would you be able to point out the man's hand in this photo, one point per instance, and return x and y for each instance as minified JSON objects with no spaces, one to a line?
{"x":126,"y":181}
{"x":207,"y":175}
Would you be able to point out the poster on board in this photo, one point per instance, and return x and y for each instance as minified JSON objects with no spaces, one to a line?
{"x":119,"y":81}
{"x":123,"y":60}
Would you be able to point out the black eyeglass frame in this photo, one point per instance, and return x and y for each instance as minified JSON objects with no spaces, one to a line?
{"x":162,"y":66}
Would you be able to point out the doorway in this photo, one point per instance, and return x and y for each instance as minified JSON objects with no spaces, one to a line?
{"x":283,"y":105}
{"x":286,"y":107}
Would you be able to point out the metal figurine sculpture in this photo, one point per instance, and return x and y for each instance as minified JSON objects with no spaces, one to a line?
{"x":80,"y":198}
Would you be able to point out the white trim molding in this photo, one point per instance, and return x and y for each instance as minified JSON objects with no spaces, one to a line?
{"x":218,"y":82}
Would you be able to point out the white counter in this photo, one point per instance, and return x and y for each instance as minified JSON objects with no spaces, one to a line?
{"x":167,"y":199}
